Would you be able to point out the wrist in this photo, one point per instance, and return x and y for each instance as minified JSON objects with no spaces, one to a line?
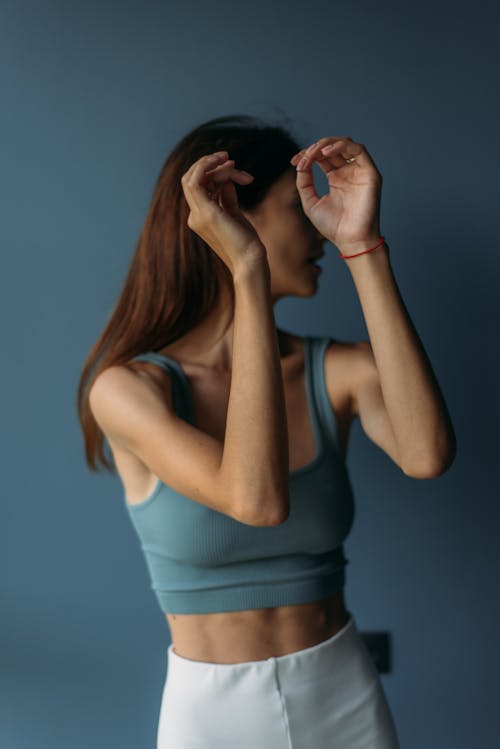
{"x":359,"y":245}
{"x":252,"y":268}
{"x":370,"y":263}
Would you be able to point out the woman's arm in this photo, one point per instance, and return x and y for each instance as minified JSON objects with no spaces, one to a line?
{"x":395,"y":370}
{"x":255,"y":453}
{"x":246,"y":476}
{"x":396,"y":391}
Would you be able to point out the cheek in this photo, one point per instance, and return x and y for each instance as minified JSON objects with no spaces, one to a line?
{"x":289,"y":259}
{"x":287,"y":242}
{"x":288,"y":249}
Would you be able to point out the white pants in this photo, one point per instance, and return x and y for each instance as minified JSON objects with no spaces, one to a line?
{"x":328,"y":696}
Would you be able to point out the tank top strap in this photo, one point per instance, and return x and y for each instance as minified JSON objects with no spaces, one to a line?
{"x":315,"y":348}
{"x":183,"y":406}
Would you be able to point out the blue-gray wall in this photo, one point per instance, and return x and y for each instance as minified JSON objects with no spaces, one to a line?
{"x":93,"y":97}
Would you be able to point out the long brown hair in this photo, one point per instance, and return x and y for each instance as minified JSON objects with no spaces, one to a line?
{"x":174,"y":277}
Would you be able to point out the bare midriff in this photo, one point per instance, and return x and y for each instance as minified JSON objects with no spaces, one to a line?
{"x":257,"y":634}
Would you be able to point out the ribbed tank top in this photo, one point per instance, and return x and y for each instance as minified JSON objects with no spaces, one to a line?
{"x":201,"y":560}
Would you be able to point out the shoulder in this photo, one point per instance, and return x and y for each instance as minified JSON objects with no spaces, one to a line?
{"x":348,"y":364}
{"x":125,"y":400}
{"x":119,"y":389}
{"x":127,"y":375}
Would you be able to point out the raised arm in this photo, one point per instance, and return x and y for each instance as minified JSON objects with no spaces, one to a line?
{"x":246,"y":477}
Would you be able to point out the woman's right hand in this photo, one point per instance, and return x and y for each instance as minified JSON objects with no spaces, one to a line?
{"x":214,"y":211}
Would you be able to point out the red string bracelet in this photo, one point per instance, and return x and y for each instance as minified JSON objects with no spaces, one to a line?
{"x":382,"y":240}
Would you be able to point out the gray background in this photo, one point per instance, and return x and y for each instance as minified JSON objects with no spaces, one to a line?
{"x":94,"y":95}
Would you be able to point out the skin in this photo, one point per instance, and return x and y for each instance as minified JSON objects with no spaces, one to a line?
{"x":206,"y":355}
{"x":387,"y":382}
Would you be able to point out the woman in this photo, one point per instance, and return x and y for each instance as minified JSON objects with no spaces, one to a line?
{"x":230,"y":435}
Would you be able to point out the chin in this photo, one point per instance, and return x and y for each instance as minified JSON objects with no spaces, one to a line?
{"x":303,"y":284}
{"x":310,"y":286}
{"x":305,"y":290}
{"x":312,"y":291}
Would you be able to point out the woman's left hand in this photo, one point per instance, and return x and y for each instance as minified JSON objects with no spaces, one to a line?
{"x":349,"y":215}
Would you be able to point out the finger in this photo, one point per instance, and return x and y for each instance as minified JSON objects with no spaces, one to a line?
{"x":323,"y":162}
{"x":342,"y":150}
{"x":305,"y":179}
{"x":225,"y":174}
{"x":306,"y":187}
{"x":224,"y":171}
{"x":217,"y":192}
{"x":337,"y":152}
{"x":205,"y":164}
{"x":314,"y":146}
{"x":228,"y":198}
{"x":337,"y":149}
{"x":208,"y":190}
{"x":327,"y":162}
{"x":216,"y":174}
{"x":193,"y":181}
{"x":351,"y":154}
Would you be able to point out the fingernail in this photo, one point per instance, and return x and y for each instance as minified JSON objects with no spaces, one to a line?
{"x":301,"y":163}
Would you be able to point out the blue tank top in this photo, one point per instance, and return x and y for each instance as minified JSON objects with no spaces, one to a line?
{"x":201,"y":560}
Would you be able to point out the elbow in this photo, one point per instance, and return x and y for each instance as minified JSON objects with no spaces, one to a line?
{"x":432,"y":464}
{"x":279,"y":517}
{"x":265,"y":513}
{"x":431,"y":468}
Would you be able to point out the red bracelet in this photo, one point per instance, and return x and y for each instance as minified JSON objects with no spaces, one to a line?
{"x":364,"y":251}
